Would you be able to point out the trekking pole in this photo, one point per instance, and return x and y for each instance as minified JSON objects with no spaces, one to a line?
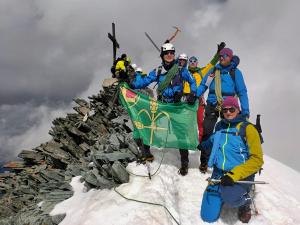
{"x":150,"y":39}
{"x":238,"y":182}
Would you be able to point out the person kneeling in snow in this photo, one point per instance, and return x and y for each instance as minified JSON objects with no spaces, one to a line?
{"x":233,"y":158}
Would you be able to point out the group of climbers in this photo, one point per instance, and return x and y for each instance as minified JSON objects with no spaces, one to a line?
{"x":231,"y":156}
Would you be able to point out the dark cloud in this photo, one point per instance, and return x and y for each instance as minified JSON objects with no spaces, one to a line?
{"x":54,"y":50}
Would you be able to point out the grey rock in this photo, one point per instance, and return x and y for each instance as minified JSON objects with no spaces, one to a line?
{"x":111,"y":157}
{"x":119,"y":172}
{"x":58,"y":218}
{"x":53,"y":149}
{"x":31,"y":156}
{"x":81,"y":102}
{"x":82,"y":110}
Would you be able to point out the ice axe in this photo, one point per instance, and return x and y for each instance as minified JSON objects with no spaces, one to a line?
{"x":174,"y":35}
{"x":238,"y":182}
{"x":150,"y":39}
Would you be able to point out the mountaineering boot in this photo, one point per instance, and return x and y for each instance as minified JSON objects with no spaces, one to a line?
{"x":148,"y":157}
{"x":145,"y":158}
{"x":244,"y":213}
{"x":203,"y":160}
{"x":203,"y":167}
{"x":146,"y":154}
{"x":183,"y":170}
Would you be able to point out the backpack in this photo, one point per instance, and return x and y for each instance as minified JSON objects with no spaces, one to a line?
{"x":113,"y":68}
{"x":242,"y":130}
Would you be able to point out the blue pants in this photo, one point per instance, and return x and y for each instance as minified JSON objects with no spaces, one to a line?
{"x":236,"y":195}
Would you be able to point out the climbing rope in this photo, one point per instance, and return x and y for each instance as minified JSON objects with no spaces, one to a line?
{"x":149,"y":203}
{"x":145,"y":202}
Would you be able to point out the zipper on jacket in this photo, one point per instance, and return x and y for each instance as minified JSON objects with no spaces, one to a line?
{"x":223,"y":147}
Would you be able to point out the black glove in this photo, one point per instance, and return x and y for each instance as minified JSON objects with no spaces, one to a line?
{"x":221,"y":46}
{"x":191,"y":99}
{"x":177,"y":97}
{"x":226,"y":181}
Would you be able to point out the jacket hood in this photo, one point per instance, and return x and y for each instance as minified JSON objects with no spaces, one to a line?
{"x":234,"y":121}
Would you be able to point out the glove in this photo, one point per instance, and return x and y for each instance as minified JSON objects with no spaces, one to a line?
{"x":177,"y":97}
{"x":191,"y":99}
{"x":226,"y":181}
{"x":221,"y":46}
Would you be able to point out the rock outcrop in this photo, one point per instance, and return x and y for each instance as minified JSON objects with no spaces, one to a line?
{"x":94,"y":143}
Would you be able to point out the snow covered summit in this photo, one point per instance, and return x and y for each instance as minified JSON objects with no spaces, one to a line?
{"x":277,"y":202}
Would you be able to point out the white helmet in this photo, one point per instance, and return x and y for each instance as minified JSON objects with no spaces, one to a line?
{"x":134,"y":66}
{"x":183,"y":56}
{"x":167,"y":47}
{"x":139,"y":69}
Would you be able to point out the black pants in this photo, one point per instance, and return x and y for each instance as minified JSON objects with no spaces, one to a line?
{"x":210,"y":119}
{"x":184,"y":157}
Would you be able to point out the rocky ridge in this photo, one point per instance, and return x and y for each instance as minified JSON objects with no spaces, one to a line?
{"x":95,"y":143}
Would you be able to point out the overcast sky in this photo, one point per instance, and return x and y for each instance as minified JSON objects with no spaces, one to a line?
{"x":54,"y":50}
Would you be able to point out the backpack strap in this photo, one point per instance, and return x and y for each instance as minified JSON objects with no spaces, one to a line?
{"x":242,"y":131}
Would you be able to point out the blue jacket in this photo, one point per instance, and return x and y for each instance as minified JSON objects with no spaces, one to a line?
{"x":228,"y":86}
{"x":230,"y":153}
{"x":138,"y":76}
{"x":176,"y":86}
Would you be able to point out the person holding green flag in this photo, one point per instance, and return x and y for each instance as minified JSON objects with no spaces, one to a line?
{"x":169,"y":78}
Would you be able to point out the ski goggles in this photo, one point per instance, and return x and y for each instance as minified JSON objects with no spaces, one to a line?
{"x":224,"y":56}
{"x":193,"y":61}
{"x":231,"y":110}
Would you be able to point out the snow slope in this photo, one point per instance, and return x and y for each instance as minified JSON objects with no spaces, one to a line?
{"x":277,"y":202}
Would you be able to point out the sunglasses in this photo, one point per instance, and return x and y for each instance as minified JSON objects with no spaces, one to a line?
{"x":231,"y":110}
{"x":193,"y":61}
{"x":169,"y":52}
{"x":224,"y":56}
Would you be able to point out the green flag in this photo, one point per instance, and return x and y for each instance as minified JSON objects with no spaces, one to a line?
{"x":167,"y":125}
